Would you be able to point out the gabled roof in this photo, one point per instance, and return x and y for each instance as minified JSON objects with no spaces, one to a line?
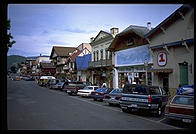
{"x":100,"y":33}
{"x":170,"y":20}
{"x":62,"y":51}
{"x":73,"y":56}
{"x":139,"y":30}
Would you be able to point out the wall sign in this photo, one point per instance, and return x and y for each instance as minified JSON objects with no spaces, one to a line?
{"x":162,"y":59}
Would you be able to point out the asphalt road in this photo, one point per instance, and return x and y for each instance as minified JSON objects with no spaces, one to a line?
{"x":31,"y":107}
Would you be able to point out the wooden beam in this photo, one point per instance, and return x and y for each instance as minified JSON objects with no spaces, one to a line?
{"x":182,"y":16}
{"x":184,"y":44}
{"x":166,"y":48}
{"x":163,"y":30}
{"x":148,"y":41}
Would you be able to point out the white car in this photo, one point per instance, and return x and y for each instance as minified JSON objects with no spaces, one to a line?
{"x":87,"y":91}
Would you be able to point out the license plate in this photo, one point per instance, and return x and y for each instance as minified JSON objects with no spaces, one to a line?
{"x":133,"y":105}
{"x":186,"y":120}
{"x":96,"y":94}
{"x":68,"y":91}
{"x":112,"y":98}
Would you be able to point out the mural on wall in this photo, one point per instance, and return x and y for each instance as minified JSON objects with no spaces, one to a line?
{"x":133,"y":56}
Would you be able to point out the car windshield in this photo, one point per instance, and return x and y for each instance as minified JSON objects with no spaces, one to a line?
{"x":135,"y":89}
{"x":184,"y":100}
{"x":60,"y":83}
{"x":101,"y":90}
{"x":154,"y":91}
{"x":116,"y":91}
{"x":88,"y":88}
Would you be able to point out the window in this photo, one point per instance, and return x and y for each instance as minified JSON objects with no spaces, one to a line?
{"x":130,"y":42}
{"x":97,"y":55}
{"x":106,"y":54}
{"x":94,"y":56}
{"x":101,"y":51}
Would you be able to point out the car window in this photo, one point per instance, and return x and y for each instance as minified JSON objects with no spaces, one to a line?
{"x":95,"y":88}
{"x":184,"y":100}
{"x":154,"y":91}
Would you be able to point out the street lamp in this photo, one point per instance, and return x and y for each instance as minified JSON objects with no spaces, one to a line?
{"x":146,"y":66}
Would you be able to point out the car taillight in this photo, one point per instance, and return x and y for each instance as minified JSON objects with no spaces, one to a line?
{"x":104,"y":96}
{"x":166,"y":109}
{"x":149,"y":98}
{"x":101,"y":93}
{"x":120,"y":96}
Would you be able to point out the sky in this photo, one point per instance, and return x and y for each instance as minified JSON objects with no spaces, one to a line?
{"x":36,"y":28}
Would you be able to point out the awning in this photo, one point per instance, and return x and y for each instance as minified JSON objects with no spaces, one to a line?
{"x":165,"y":70}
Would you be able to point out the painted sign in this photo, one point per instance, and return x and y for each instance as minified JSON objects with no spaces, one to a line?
{"x":162,"y":59}
{"x":133,"y":56}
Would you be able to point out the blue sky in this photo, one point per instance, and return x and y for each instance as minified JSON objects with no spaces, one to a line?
{"x":38,"y":27}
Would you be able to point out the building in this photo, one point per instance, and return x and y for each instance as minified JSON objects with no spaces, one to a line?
{"x":47,"y":69}
{"x":172,"y":48}
{"x":59,"y":56}
{"x":41,"y":59}
{"x":131,"y":52}
{"x":101,"y":67}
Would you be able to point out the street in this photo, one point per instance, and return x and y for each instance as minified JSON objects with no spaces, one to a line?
{"x":31,"y":107}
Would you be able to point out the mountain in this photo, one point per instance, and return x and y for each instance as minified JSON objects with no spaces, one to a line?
{"x":14,"y":60}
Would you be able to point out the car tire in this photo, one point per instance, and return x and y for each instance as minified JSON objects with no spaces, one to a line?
{"x":124,"y":110}
{"x":94,"y":99}
{"x":110,"y":104}
{"x":159,"y":111}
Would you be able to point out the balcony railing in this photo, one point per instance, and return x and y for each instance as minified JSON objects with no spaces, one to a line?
{"x":100,"y":63}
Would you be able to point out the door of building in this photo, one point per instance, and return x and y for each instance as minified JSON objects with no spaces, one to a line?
{"x":183,"y":73}
{"x":166,"y":81}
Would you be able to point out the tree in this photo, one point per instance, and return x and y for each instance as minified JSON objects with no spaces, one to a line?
{"x":9,"y":37}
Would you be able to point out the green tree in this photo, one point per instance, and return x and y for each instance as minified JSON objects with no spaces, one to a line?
{"x":9,"y":38}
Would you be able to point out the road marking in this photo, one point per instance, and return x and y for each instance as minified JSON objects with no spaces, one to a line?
{"x":116,"y":110}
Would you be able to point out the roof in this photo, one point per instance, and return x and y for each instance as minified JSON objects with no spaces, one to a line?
{"x":82,"y":61}
{"x":99,"y":33}
{"x":62,"y":51}
{"x":46,"y":65}
{"x":139,"y":30}
{"x":73,"y":56}
{"x":169,"y":20}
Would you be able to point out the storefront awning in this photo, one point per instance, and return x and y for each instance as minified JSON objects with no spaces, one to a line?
{"x":165,"y":70}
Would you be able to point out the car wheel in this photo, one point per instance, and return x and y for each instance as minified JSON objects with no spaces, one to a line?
{"x":94,"y":99}
{"x":159,"y":112}
{"x":124,"y":110}
{"x":110,"y":104}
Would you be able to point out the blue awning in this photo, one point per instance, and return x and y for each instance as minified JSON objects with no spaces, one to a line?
{"x":82,"y":61}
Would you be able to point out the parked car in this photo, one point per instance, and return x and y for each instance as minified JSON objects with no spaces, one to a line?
{"x":86,"y":91}
{"x":51,"y":82}
{"x":15,"y":78}
{"x":99,"y":93}
{"x":113,"y":97}
{"x":142,"y":97}
{"x":73,"y":87}
{"x":181,"y":107}
{"x":43,"y":80}
{"x":28,"y":78}
{"x":59,"y":85}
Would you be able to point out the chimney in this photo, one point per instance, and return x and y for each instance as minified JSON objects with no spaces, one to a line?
{"x":92,"y":38}
{"x":114,"y":31}
{"x":40,"y":55}
{"x":149,"y":26}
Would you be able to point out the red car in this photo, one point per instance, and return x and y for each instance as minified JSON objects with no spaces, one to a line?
{"x":181,"y":107}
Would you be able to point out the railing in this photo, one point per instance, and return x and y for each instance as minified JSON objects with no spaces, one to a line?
{"x":100,"y":63}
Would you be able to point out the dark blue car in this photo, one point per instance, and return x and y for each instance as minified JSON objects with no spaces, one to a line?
{"x":99,"y":93}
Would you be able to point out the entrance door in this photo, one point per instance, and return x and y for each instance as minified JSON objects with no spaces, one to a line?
{"x":166,"y":81}
{"x":183,"y":73}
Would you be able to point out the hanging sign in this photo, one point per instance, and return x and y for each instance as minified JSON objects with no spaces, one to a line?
{"x":162,"y":59}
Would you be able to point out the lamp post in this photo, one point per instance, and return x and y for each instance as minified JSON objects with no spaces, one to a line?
{"x":146,"y":66}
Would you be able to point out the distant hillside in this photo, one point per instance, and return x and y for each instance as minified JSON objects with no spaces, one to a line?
{"x":14,"y":60}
